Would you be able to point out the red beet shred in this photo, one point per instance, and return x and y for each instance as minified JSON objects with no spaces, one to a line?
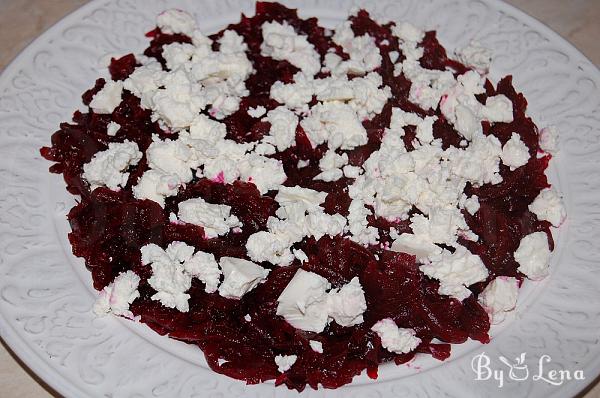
{"x":109,"y":228}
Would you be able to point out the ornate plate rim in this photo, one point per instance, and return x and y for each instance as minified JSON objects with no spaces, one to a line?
{"x":53,"y":378}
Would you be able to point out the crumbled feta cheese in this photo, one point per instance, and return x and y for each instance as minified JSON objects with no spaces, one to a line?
{"x":176,"y":21}
{"x":364,"y":55}
{"x":294,"y":95}
{"x":267,"y":174}
{"x":306,"y":305}
{"x":107,"y":168}
{"x":247,"y":318}
{"x":336,"y":123}
{"x":358,"y":226}
{"x":240,"y":276}
{"x":515,"y":153}
{"x":316,"y":346}
{"x":549,"y":139}
{"x":455,"y":271}
{"x":330,"y":165}
{"x":208,"y":130}
{"x":172,"y":157}
{"x":300,"y":255}
{"x":285,"y":362}
{"x":203,"y":266}
{"x":347,"y":305}
{"x":533,"y":256}
{"x":395,"y":339}
{"x":108,"y":98}
{"x":169,"y":278}
{"x":471,"y":204}
{"x":476,"y":56}
{"x":215,"y":219}
{"x":282,"y":133}
{"x":548,"y":206}
{"x":257,"y":112}
{"x":156,"y":186}
{"x":117,"y":296}
{"x":281,"y":42}
{"x":303,"y":302}
{"x":112,"y":128}
{"x":351,"y":171}
{"x":499,"y":297}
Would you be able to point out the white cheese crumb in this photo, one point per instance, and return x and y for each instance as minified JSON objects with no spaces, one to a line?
{"x":203,"y":266}
{"x":112,"y":128}
{"x":456,"y":271}
{"x":303,"y":302}
{"x":347,"y":305}
{"x":285,"y":362}
{"x":533,"y":256}
{"x":215,"y":219}
{"x":108,"y":98}
{"x":362,"y":50}
{"x":476,"y":56}
{"x":156,"y":186}
{"x":548,"y":206}
{"x":300,"y":255}
{"x":515,"y":153}
{"x":247,"y":318}
{"x":169,"y":278}
{"x":334,"y":122}
{"x":176,"y":21}
{"x":117,"y":296}
{"x":282,"y":133}
{"x":107,"y":168}
{"x":241,"y":276}
{"x":306,"y":305}
{"x":395,"y":339}
{"x":281,"y":42}
{"x":316,"y":346}
{"x":499,"y":297}
{"x":257,"y":112}
{"x":330,"y":165}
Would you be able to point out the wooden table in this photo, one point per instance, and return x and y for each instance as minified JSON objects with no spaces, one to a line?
{"x":21,"y":21}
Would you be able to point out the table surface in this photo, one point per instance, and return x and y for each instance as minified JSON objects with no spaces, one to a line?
{"x":21,"y":21}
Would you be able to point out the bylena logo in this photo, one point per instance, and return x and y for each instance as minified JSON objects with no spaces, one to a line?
{"x":518,"y":370}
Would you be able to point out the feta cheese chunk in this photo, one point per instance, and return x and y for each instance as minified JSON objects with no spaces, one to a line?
{"x":334,"y":122}
{"x":533,"y":256}
{"x":476,"y":56}
{"x":347,"y":305}
{"x":108,"y":98}
{"x":156,"y":186}
{"x":215,"y":219}
{"x":364,"y":55}
{"x":499,"y":297}
{"x":112,"y":128}
{"x":303,"y":302}
{"x":176,"y":21}
{"x":548,"y":206}
{"x":241,"y":276}
{"x":203,"y":266}
{"x":117,"y":296}
{"x":282,"y":134}
{"x":316,"y":346}
{"x":285,"y":362}
{"x":169,"y":278}
{"x":456,"y":271}
{"x":107,"y":168}
{"x":515,"y":153}
{"x":281,"y":42}
{"x":257,"y":112}
{"x":395,"y":339}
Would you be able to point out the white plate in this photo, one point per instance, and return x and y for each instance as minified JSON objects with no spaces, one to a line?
{"x":46,"y":293}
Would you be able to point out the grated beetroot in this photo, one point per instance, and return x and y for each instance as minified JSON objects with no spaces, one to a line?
{"x":109,"y":228}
